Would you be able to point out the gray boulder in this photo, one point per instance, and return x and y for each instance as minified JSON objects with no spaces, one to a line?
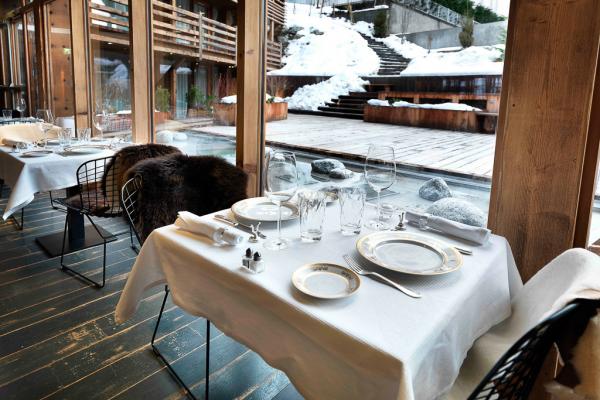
{"x":459,"y":211}
{"x":325,"y":165}
{"x":340,"y":173}
{"x":435,"y":189}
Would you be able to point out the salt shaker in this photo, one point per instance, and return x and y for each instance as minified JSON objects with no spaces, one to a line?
{"x":257,"y":265}
{"x":247,"y":258}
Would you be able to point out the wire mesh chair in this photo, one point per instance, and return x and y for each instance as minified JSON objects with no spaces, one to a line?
{"x":515,"y":373}
{"x":130,"y":194}
{"x":98,"y":196}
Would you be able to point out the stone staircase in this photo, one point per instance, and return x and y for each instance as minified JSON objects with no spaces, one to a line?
{"x":349,"y":106}
{"x":392,"y":63}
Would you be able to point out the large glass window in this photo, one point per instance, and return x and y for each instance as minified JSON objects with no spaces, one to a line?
{"x":60,"y":69}
{"x":34,"y":78}
{"x":111,"y":68}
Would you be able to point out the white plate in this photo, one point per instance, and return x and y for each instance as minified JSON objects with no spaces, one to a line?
{"x":326,"y":281}
{"x":409,"y":253}
{"x":85,"y":149}
{"x":37,"y":153}
{"x":263,"y":210}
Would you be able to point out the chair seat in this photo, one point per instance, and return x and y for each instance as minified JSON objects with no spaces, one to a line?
{"x":94,"y":202}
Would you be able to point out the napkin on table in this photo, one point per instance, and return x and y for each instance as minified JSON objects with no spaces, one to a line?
{"x":192,"y":223}
{"x":453,"y":228}
{"x":12,"y":142}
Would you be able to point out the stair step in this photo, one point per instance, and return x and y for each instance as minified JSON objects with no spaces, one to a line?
{"x":344,"y":104}
{"x":342,"y":110}
{"x":350,"y":99}
{"x":368,"y":95}
{"x":327,"y":114}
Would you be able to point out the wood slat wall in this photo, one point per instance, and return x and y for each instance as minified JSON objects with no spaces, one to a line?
{"x":549,"y":73}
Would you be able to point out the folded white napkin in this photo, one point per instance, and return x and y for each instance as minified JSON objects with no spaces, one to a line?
{"x":12,"y":142}
{"x":193,"y":223}
{"x":460,"y":230}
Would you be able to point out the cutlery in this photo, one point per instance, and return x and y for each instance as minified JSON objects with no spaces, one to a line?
{"x":466,"y":252}
{"x":401,"y":223}
{"x":240,"y":226}
{"x":354,"y":266}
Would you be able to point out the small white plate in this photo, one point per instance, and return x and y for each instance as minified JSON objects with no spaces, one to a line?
{"x":326,"y":281}
{"x":37,"y":153}
{"x":263,"y":210}
{"x":409,"y":253}
{"x":85,"y":149}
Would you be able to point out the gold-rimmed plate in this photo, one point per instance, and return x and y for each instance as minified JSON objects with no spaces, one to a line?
{"x":326,"y":281}
{"x":263,"y":210}
{"x":409,"y":253}
{"x":37,"y":153}
{"x":86,"y":149}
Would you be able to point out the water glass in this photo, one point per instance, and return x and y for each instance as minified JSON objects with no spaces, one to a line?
{"x":84,"y":134}
{"x":64,"y":137}
{"x":7,"y":114}
{"x":352,"y":209}
{"x":312,"y":206}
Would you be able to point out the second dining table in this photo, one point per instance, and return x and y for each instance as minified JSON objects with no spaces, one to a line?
{"x":376,"y":344}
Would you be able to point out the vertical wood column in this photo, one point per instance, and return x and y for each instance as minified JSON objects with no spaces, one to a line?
{"x":142,"y":98}
{"x":549,"y":73}
{"x":79,"y":57}
{"x":43,"y":60}
{"x":250,"y":123}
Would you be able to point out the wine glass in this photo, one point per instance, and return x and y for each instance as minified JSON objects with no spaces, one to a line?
{"x":21,"y":106}
{"x":46,"y":123}
{"x":100,"y":118}
{"x":380,"y":173}
{"x":280,"y":186}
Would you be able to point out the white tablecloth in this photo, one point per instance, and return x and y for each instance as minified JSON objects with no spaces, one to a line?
{"x":27,"y":176}
{"x":377,"y":344}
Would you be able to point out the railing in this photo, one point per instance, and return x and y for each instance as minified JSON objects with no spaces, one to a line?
{"x":276,"y":11}
{"x":175,"y":30}
{"x":218,"y":41}
{"x":274,"y":53}
{"x":109,"y":22}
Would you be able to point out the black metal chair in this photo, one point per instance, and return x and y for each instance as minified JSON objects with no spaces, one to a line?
{"x":515,"y":373}
{"x":96,"y":198}
{"x":131,"y":203}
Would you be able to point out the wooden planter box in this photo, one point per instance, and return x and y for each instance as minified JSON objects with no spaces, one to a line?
{"x":453,"y":120}
{"x":225,"y":114}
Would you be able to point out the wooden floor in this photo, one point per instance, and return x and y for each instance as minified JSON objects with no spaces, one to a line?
{"x":58,"y":338}
{"x":462,"y":153}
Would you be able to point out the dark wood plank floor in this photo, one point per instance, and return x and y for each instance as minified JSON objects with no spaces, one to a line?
{"x":58,"y":338}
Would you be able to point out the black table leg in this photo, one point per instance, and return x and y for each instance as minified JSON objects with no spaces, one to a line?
{"x":79,"y":236}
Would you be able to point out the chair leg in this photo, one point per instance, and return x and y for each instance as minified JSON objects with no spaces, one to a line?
{"x":207,"y":363}
{"x":133,"y":246}
{"x":77,"y":274}
{"x":159,"y":354}
{"x":19,"y":225}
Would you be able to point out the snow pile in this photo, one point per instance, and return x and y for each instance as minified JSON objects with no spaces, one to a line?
{"x":442,"y":106}
{"x":310,"y":97}
{"x":233,"y":99}
{"x":475,"y":60}
{"x":326,"y":46}
{"x":403,"y":47}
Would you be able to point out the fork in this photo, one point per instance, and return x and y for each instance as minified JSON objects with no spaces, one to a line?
{"x":354,"y":266}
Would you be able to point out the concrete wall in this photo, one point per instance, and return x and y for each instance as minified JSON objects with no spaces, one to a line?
{"x":407,"y":20}
{"x":484,"y":35}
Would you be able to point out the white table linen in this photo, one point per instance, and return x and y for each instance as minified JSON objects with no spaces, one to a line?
{"x":377,"y":344}
{"x":27,"y":176}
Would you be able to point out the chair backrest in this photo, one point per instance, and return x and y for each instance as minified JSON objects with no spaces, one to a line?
{"x":515,"y":373}
{"x":131,"y":203}
{"x":105,"y":200}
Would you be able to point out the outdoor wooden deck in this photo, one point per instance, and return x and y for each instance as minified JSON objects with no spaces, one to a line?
{"x":58,"y":338}
{"x":461,"y":153}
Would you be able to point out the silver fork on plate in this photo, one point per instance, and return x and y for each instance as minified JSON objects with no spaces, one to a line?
{"x":355,"y":266}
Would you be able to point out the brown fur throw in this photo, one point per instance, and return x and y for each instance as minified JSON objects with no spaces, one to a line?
{"x":127,"y":157}
{"x":199,"y":184}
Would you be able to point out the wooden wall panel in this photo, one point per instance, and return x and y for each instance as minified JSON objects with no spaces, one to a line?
{"x":250,"y":126}
{"x":549,"y":74}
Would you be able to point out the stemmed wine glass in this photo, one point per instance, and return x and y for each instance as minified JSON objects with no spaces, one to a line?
{"x":99,"y":119}
{"x":281,"y":185}
{"x":21,"y":106}
{"x":47,"y":122}
{"x":380,"y":173}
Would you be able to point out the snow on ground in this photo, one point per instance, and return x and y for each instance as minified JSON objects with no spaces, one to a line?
{"x":233,"y":99}
{"x":327,"y":46}
{"x":442,"y":106}
{"x":475,"y":60}
{"x":403,"y":47}
{"x":310,"y":97}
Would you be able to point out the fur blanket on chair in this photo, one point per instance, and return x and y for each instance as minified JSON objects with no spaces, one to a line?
{"x":199,"y":184}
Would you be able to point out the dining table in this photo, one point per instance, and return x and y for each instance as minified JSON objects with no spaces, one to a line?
{"x":376,"y":344}
{"x":27,"y":175}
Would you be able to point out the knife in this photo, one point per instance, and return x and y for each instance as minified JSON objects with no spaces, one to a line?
{"x":238,"y":225}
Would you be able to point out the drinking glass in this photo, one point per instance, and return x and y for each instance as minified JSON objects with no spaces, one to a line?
{"x":352,"y":208}
{"x":7,"y":114}
{"x":21,"y":106}
{"x":64,"y":137}
{"x":281,"y":184}
{"x":47,"y":122}
{"x":84,"y":134}
{"x":99,"y":120}
{"x":380,"y":173}
{"x":312,"y":204}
